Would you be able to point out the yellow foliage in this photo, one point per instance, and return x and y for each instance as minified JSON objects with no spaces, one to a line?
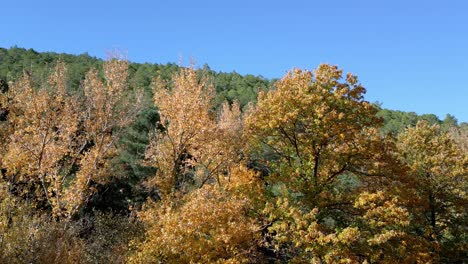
{"x":52,"y":131}
{"x":436,"y":184}
{"x":29,"y":238}
{"x":313,"y":242}
{"x":335,"y":191}
{"x":208,"y":225}
{"x":318,"y":125}
{"x":194,"y":147}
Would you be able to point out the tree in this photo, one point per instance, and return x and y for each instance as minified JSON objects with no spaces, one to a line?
{"x":191,"y":148}
{"x":437,"y":184}
{"x":385,"y":230}
{"x":204,"y":215}
{"x":449,"y":122}
{"x":322,"y":134}
{"x":59,"y":146}
{"x":108,"y":108}
{"x":185,"y":119}
{"x":318,"y":128}
{"x":43,"y":123}
{"x":460,"y":135}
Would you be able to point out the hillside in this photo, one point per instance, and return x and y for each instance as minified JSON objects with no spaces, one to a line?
{"x":229,"y":86}
{"x":109,"y":161}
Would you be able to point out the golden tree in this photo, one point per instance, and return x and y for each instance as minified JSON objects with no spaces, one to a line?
{"x":386,"y":234}
{"x":185,"y":117}
{"x":58,"y":144}
{"x":191,"y":147}
{"x":207,"y":198}
{"x":436,"y":183}
{"x":210,"y":225}
{"x":317,"y":127}
{"x":323,"y":148}
{"x":43,"y":122}
{"x":109,"y":107}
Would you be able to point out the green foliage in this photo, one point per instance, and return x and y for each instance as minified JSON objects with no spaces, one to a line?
{"x":126,"y":190}
{"x":396,"y":121}
{"x":233,"y":86}
{"x":14,"y":61}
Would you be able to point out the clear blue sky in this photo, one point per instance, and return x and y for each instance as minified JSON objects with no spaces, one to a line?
{"x":410,"y":55}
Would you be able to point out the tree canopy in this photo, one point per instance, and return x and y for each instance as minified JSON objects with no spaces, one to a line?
{"x":108,"y":161}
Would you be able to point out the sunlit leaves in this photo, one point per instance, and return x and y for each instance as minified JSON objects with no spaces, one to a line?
{"x":209,"y":225}
{"x":109,"y":107}
{"x":329,"y":187}
{"x":437,"y":182}
{"x":318,"y":125}
{"x":207,"y":197}
{"x":192,"y":146}
{"x":59,"y":142}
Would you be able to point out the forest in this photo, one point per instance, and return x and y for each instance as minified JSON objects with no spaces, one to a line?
{"x":111,"y":161}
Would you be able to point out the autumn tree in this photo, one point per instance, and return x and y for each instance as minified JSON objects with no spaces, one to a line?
{"x":109,"y":107}
{"x":323,"y":148}
{"x":307,"y":175}
{"x":27,"y":236}
{"x":191,"y":147}
{"x":59,"y":145}
{"x":316,"y":126}
{"x":437,"y":176}
{"x":385,"y":230}
{"x":207,"y":196}
{"x":460,"y":135}
{"x":210,"y":225}
{"x":43,"y":122}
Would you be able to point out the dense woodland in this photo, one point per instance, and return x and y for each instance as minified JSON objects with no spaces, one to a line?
{"x":108,"y":161}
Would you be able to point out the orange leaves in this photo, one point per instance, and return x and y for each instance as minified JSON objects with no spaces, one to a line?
{"x":44,"y":123}
{"x":51,"y":132}
{"x":208,"y":225}
{"x":206,"y":195}
{"x":109,"y":107}
{"x":194,"y":146}
{"x":332,"y":189}
{"x":316,"y":122}
{"x":436,"y":182}
{"x":186,"y":122}
{"x":187,"y":105}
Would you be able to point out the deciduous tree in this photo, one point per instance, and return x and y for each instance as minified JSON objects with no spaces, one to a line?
{"x":192,"y":145}
{"x":60,"y":144}
{"x":109,"y":107}
{"x":437,"y":182}
{"x":325,"y":149}
{"x":209,"y":225}
{"x":317,"y":126}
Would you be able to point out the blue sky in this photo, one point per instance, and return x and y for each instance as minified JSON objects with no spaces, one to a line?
{"x":410,"y":55}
